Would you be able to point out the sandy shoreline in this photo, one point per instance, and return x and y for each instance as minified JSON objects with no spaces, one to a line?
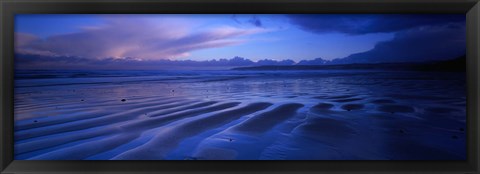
{"x":255,"y":116}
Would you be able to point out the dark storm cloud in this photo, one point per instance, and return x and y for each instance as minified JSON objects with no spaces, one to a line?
{"x":357,"y":24}
{"x":253,"y":20}
{"x":256,"y":21}
{"x":416,"y":45}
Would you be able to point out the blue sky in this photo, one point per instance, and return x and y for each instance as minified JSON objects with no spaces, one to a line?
{"x":276,"y":38}
{"x":206,"y":37}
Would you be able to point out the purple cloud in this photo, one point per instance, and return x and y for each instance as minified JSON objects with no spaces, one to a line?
{"x":122,"y":37}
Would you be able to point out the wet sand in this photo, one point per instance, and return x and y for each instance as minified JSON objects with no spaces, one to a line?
{"x":300,"y":115}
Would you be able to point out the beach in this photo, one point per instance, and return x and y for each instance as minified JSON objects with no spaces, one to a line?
{"x":240,"y":115}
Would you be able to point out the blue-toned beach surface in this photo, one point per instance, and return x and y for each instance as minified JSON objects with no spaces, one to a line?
{"x":240,"y":115}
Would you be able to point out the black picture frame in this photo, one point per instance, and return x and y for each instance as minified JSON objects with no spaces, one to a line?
{"x":8,"y":8}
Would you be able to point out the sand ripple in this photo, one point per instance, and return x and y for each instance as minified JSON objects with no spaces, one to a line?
{"x":244,"y":117}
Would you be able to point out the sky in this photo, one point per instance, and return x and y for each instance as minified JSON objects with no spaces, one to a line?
{"x":256,"y":37}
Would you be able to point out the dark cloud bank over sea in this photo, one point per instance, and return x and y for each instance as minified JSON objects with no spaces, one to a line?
{"x":418,"y":38}
{"x":357,"y":24}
